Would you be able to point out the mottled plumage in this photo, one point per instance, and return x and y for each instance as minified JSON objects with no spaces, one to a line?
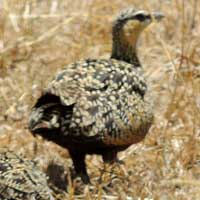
{"x":97,"y":106}
{"x":21,"y":179}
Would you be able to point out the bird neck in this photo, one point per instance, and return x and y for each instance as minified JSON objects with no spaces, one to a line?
{"x":125,"y":49}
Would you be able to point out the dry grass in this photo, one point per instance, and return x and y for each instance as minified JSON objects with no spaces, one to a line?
{"x":39,"y":37}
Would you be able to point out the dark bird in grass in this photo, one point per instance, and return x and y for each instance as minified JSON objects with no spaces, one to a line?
{"x":20,"y":179}
{"x":98,"y":106}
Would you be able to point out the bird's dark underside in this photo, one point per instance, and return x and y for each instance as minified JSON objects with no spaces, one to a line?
{"x":79,"y":147}
{"x":98,"y":106}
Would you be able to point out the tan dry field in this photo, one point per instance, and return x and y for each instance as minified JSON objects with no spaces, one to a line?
{"x":39,"y":37}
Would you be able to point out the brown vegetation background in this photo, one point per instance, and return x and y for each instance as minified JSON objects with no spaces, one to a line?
{"x":37,"y":38}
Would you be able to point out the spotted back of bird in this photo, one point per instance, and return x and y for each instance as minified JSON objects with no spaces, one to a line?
{"x":21,"y":179}
{"x":101,"y":99}
{"x":98,"y":105}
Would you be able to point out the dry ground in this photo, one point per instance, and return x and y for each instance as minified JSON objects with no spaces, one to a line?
{"x":39,"y":37}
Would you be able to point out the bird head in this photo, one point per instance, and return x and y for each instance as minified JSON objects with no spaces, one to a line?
{"x":130,"y":23}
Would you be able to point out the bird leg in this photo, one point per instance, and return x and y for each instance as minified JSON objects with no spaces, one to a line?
{"x":111,"y":158}
{"x":80,"y":166}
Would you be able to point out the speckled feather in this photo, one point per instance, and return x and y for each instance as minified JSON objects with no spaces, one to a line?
{"x":107,"y":96}
{"x":99,"y":106}
{"x":21,"y":179}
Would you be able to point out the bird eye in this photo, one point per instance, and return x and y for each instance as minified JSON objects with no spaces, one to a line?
{"x":140,"y":17}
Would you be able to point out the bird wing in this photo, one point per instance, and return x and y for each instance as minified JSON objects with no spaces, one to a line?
{"x":21,"y":175}
{"x":95,"y":88}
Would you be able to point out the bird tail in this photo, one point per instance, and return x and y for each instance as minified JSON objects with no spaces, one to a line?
{"x":45,"y":115}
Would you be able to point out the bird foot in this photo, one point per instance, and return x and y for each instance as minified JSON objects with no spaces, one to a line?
{"x":84,"y":178}
{"x":120,"y":162}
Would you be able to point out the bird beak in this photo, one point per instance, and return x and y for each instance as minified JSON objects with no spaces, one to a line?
{"x":158,"y":16}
